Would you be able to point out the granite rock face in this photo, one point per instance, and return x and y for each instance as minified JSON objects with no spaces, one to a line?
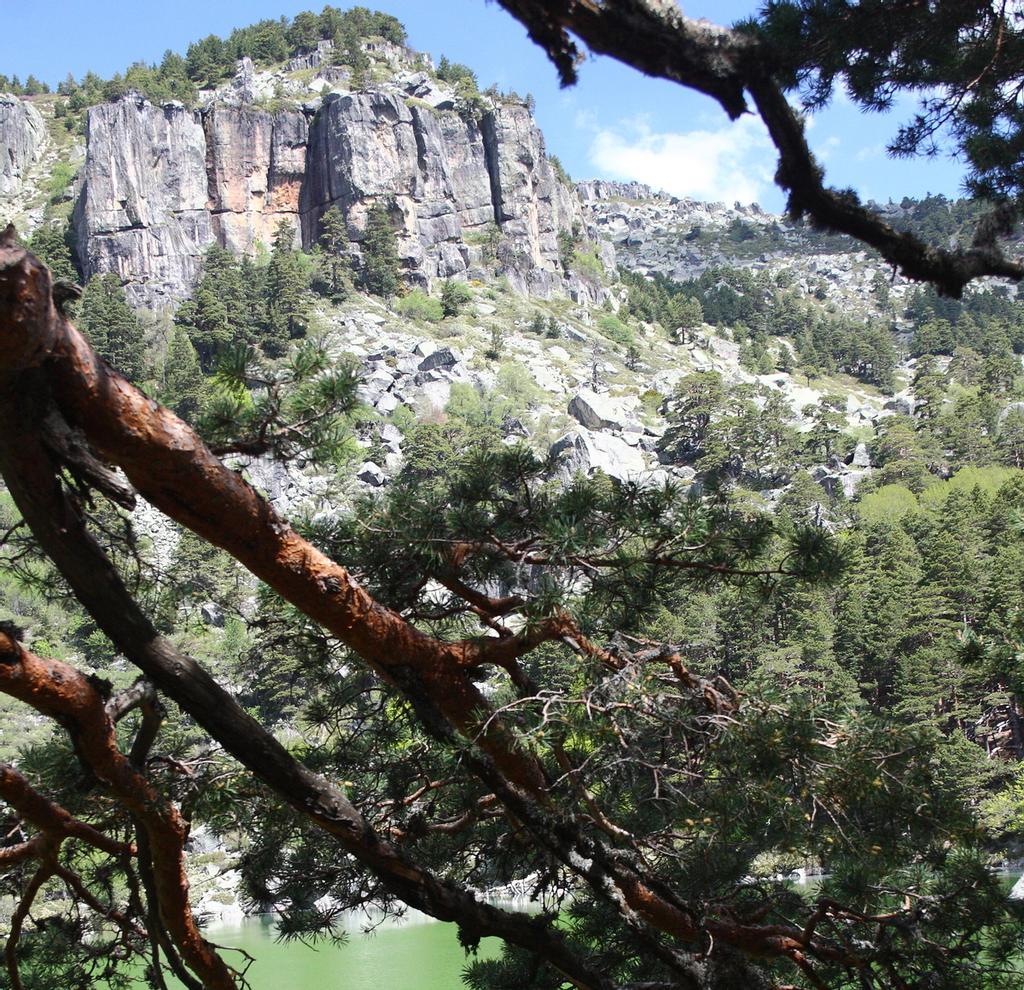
{"x":143,"y":210}
{"x":162,"y":184}
{"x":449,"y":178}
{"x":255,"y":167}
{"x":22,"y":139}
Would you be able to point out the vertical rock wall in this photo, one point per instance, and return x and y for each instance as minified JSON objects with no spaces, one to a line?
{"x":161,"y":184}
{"x":255,"y":167}
{"x":143,"y":212}
{"x":22,"y":138}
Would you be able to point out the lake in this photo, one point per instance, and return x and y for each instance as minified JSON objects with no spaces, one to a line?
{"x":414,"y":954}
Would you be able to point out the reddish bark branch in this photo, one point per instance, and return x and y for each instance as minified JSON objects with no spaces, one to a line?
{"x":45,"y":871}
{"x":46,"y":816}
{"x":169,"y":465}
{"x":32,"y":480}
{"x":64,"y":694}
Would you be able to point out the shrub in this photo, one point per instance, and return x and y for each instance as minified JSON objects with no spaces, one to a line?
{"x":589,"y":264}
{"x":417,"y":305}
{"x":497,"y":344}
{"x":454,"y":295}
{"x":614,"y":329}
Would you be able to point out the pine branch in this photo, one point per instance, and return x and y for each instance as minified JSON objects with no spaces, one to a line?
{"x":655,"y":38}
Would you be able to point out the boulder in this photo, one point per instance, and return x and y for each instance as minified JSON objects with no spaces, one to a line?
{"x":598,"y":412}
{"x":387,"y":403}
{"x":1011,"y":407}
{"x":371,"y":474}
{"x":843,"y":481}
{"x":211,"y":614}
{"x":391,"y":435}
{"x":443,"y":357}
{"x":583,"y":452}
{"x":902,"y":405}
{"x":512,"y":426}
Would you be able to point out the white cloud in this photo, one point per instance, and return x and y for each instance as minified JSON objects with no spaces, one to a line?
{"x":824,"y":151}
{"x":870,"y":152}
{"x":734,"y":162}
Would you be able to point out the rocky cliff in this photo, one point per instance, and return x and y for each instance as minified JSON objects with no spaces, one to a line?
{"x":22,"y":139}
{"x":163,"y":183}
{"x":654,"y":232}
{"x":450,"y":178}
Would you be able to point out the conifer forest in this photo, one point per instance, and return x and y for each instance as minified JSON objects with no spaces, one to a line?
{"x":392,"y":523}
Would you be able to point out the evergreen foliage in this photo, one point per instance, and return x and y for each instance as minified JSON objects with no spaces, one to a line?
{"x":52,"y":242}
{"x":227,"y":306}
{"x":287,"y":282}
{"x":112,"y":326}
{"x":296,"y":409}
{"x":381,"y":271}
{"x":334,"y":241}
{"x":30,"y":87}
{"x":707,"y":694}
{"x":181,"y":385}
{"x":873,"y":645}
{"x":213,"y":59}
{"x":454,"y":295}
{"x":877,"y":49}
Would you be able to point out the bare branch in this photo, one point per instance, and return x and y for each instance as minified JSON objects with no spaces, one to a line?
{"x":59,"y":691}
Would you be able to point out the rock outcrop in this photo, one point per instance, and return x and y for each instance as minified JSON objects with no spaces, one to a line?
{"x":161,"y":184}
{"x":601,"y":412}
{"x":22,"y":139}
{"x":585,"y":451}
{"x":594,"y":190}
{"x":142,"y":212}
{"x":255,"y":167}
{"x":449,"y":179}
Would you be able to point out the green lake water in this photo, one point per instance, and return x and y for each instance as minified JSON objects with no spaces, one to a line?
{"x":410,"y":955}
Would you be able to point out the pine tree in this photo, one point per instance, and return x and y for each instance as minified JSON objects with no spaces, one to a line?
{"x":334,"y":241}
{"x":1010,"y":437}
{"x":182,"y":383}
{"x":890,"y":607}
{"x":287,"y":293}
{"x":112,"y":326}
{"x":51,"y":241}
{"x":380,"y":253}
{"x":226,"y":308}
{"x":825,"y":438}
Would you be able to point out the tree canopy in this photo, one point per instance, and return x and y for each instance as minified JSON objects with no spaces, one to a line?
{"x":652,"y":702}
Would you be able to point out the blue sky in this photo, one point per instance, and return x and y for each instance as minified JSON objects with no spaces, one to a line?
{"x":614,"y":124}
